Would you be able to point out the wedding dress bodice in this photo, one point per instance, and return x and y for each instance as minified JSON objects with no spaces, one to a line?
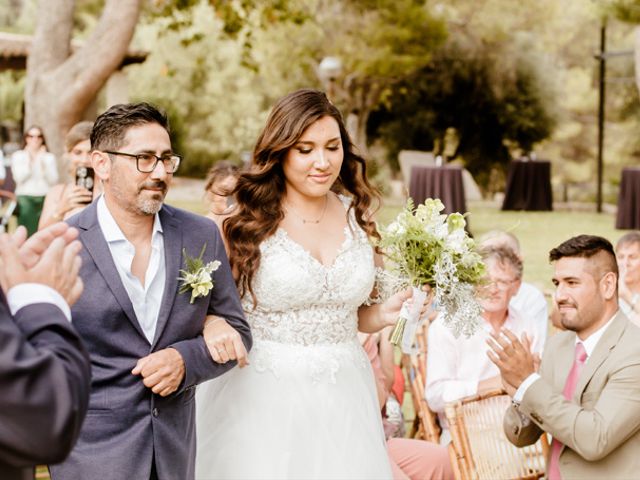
{"x":303,"y":302}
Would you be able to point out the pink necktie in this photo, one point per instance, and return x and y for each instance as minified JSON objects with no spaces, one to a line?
{"x":553,"y":472}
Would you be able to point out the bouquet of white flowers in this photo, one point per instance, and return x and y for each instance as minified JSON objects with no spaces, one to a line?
{"x":425,"y":247}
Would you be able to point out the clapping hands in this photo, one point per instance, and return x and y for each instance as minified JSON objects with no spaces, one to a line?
{"x":513,"y":357}
{"x":49,"y":257}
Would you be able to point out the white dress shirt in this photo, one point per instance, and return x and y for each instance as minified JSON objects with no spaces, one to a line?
{"x":25,"y":294}
{"x":589,"y":345}
{"x":145,"y":299}
{"x":530,"y":302}
{"x":456,"y":365}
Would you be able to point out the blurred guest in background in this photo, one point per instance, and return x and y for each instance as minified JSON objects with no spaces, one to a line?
{"x":529,"y":300}
{"x":65,"y":199}
{"x":35,"y":172}
{"x":220,"y":182}
{"x":628,"y":258}
{"x":459,"y":367}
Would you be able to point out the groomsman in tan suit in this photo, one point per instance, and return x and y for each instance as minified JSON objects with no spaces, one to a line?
{"x":586,"y":394}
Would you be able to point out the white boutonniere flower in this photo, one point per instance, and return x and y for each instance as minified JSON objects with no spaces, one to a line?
{"x":197,"y":276}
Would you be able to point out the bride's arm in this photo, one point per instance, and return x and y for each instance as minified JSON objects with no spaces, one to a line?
{"x":373,"y":318}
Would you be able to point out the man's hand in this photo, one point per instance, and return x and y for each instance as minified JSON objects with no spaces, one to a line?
{"x":512,"y":357}
{"x":223,"y":341}
{"x":57,"y":267}
{"x":31,"y":249}
{"x":162,"y":371}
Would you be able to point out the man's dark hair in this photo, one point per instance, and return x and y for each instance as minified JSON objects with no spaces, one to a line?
{"x":586,"y":246}
{"x":110,"y":128}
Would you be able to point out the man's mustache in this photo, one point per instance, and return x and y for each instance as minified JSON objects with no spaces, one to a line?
{"x":159,"y":184}
{"x":567,"y":304}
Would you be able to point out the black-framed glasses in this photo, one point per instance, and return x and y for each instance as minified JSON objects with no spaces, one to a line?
{"x":146,"y":162}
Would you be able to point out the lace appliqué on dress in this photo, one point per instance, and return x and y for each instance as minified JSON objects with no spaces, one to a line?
{"x":307,"y":307}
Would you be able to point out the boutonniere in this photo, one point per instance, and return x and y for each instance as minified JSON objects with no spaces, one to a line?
{"x":197,"y":276}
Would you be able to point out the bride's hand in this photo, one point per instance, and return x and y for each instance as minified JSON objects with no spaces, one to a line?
{"x":390,"y":310}
{"x":223,"y":341}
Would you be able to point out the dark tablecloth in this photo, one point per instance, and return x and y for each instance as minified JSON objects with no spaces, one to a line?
{"x":629,"y":200}
{"x":528,"y":186}
{"x":444,"y":183}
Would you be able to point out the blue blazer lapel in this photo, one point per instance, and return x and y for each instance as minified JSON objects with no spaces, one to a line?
{"x":94,"y":242}
{"x":172,"y":236}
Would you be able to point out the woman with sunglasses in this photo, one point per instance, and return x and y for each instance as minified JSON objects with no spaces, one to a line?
{"x":35,"y":171}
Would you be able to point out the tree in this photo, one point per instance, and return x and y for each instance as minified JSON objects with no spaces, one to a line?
{"x":492,"y":104}
{"x":62,"y":83}
{"x":381,"y":42}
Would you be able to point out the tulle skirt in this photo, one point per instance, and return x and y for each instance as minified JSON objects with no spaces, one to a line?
{"x":295,"y":412}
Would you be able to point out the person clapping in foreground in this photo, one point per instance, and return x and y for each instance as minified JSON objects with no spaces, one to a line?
{"x":588,"y":385}
{"x":44,"y":369}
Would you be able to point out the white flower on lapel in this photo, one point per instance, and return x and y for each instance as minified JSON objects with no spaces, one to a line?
{"x":197,"y":276}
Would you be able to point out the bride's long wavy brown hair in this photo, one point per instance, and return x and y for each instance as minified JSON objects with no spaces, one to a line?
{"x":260,"y":188}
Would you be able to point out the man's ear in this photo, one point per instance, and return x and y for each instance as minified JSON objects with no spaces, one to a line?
{"x":101,"y":164}
{"x":608,"y":285}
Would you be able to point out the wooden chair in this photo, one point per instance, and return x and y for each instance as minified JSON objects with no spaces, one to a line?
{"x":425,"y":423}
{"x":479,"y":448}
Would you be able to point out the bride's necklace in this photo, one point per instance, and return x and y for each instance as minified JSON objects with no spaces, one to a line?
{"x":304,"y":220}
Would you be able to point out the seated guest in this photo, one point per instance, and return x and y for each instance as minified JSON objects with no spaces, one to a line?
{"x":529,"y":300}
{"x":459,"y":367}
{"x":219,"y":185}
{"x":410,"y":459}
{"x":587,"y":392}
{"x":628,"y":258}
{"x":66,"y":199}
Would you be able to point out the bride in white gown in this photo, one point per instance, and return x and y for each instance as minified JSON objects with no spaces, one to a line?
{"x":306,"y":405}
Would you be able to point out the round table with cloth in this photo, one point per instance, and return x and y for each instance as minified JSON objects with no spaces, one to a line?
{"x":528,"y":186}
{"x":443,"y":182}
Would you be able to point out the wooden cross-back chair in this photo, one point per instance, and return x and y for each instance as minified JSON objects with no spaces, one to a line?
{"x":425,"y":424}
{"x":479,"y":448}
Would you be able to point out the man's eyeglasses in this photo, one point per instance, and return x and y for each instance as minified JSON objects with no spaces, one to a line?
{"x":146,"y":162}
{"x":500,"y":284}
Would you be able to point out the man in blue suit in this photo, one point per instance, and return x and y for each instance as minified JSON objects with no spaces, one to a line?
{"x":143,"y":325}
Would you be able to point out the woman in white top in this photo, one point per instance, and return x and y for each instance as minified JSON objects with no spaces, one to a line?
{"x":34,"y":171}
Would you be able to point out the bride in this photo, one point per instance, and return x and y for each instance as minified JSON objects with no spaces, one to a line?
{"x":306,"y":405}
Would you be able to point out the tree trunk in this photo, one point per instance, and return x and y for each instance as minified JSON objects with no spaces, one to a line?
{"x":636,"y":47}
{"x":61,"y":84}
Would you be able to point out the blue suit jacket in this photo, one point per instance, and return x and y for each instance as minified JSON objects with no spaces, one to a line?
{"x":127,"y":426}
{"x":44,"y":388}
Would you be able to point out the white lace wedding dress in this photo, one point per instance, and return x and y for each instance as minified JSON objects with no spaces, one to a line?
{"x":306,"y":406}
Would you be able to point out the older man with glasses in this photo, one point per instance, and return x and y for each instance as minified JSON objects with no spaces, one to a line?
{"x":459,"y":367}
{"x":142,"y":327}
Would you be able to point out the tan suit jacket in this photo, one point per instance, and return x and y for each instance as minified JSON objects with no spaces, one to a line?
{"x":600,"y":426}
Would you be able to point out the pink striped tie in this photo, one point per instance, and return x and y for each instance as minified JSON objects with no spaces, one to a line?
{"x":553,"y":472}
